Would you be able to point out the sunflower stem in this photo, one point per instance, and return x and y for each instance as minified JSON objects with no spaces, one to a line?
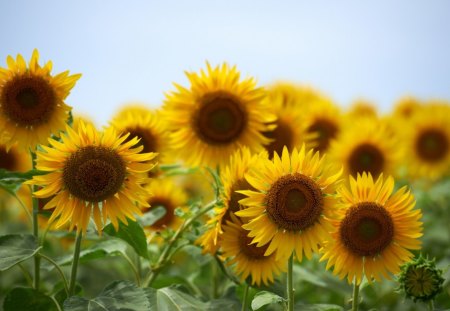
{"x":165,"y":255}
{"x":76,"y":257}
{"x":355,"y":301}
{"x":245,"y":298}
{"x":290,"y":287}
{"x":431,"y":305}
{"x":35,"y":202}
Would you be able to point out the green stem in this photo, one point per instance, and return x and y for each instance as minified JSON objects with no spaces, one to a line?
{"x":431,"y":305}
{"x":37,"y":259}
{"x":30,"y":218}
{"x":133,"y":267}
{"x":163,"y":258}
{"x":58,"y":268}
{"x":215,"y":283}
{"x":355,"y":301}
{"x":76,"y":257}
{"x":26,"y":274}
{"x":245,"y":298}
{"x":290,"y":287}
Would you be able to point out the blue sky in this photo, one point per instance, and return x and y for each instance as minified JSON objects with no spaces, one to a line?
{"x":134,"y":50}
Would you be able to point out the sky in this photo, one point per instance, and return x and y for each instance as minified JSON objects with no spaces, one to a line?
{"x":132,"y":51}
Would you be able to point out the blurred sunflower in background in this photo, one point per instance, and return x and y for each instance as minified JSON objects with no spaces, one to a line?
{"x":12,"y":158}
{"x":366,"y":146}
{"x":323,"y":119}
{"x":406,"y":107}
{"x":163,"y":192}
{"x":290,"y":130}
{"x":248,"y":259}
{"x":32,"y":106}
{"x":362,"y":108}
{"x":426,"y":142}
{"x":233,"y":180}
{"x":216,"y":116}
{"x":91,"y":172}
{"x":374,"y":230}
{"x":294,"y":198}
{"x":147,"y":125}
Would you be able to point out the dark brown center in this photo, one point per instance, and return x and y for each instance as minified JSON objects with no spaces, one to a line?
{"x":432,"y":145}
{"x":94,"y":173}
{"x":220,"y":119}
{"x":282,"y":136}
{"x":168,"y":217}
{"x":367,"y":229}
{"x":235,"y":197}
{"x":326,"y":131}
{"x":147,"y":140}
{"x":28,"y":100}
{"x":294,"y":202}
{"x":8,"y":160}
{"x":366,"y":158}
{"x":251,"y":251}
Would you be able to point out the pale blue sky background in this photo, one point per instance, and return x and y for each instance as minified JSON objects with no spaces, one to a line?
{"x":134,"y":50}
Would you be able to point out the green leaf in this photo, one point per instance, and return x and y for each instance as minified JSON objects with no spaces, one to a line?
{"x":133,"y":234}
{"x":319,"y":307}
{"x":61,"y":295}
{"x":28,"y":299}
{"x":265,"y":298}
{"x":152,"y":216}
{"x":11,"y":181}
{"x":16,"y":248}
{"x":169,"y":298}
{"x":119,"y":295}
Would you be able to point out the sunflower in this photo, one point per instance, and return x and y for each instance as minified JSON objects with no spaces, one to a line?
{"x":147,"y":125}
{"x":406,"y":107}
{"x":427,"y":142}
{"x":233,"y":179}
{"x":32,"y":104}
{"x":323,"y":119}
{"x":92,"y":172}
{"x":14,"y":159}
{"x":292,"y":204}
{"x":164,"y":193}
{"x":247,"y":258}
{"x":216,"y":116}
{"x":373,"y":231}
{"x":366,"y":146}
{"x":362,"y":108}
{"x":290,"y":130}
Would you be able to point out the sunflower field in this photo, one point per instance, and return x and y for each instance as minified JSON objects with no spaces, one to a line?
{"x":229,"y":196}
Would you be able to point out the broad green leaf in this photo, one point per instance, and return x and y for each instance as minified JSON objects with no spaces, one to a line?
{"x":318,"y":307}
{"x":265,"y":298}
{"x":28,"y":299}
{"x":16,"y":248}
{"x":119,"y":295}
{"x":169,"y":298}
{"x":152,"y":216}
{"x":133,"y":234}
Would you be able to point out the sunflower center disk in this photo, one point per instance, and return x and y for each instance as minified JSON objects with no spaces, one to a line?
{"x":294,"y":202}
{"x":220,"y":120}
{"x":28,"y":101}
{"x":367,"y":229}
{"x":282,"y":136}
{"x":168,"y":217}
{"x":326,"y":131}
{"x":366,"y":158}
{"x":251,"y":250}
{"x":432,"y":145}
{"x":147,"y":139}
{"x":7,"y":160}
{"x":94,"y":173}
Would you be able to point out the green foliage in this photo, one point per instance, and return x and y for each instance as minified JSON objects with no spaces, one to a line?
{"x":16,"y":248}
{"x":265,"y":298}
{"x":133,"y":234}
{"x":28,"y":299}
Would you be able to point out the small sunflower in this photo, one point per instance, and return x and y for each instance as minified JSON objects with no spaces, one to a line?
{"x":362,"y":108}
{"x":427,"y":143}
{"x":32,"y":104}
{"x":233,"y":179}
{"x":216,"y":116}
{"x":373,"y":231}
{"x":14,"y":159}
{"x":366,"y":146}
{"x":147,"y":125}
{"x":406,"y":107}
{"x":323,"y":119}
{"x":92,"y":172}
{"x":290,"y":130}
{"x":165,"y":193}
{"x":292,"y":204}
{"x":249,"y":259}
